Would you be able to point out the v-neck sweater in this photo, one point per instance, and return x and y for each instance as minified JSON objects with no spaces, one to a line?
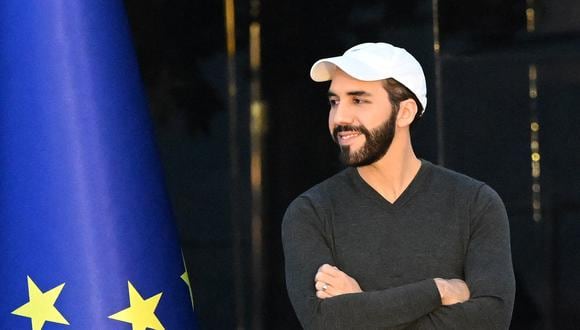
{"x":444,"y":225}
{"x":371,"y":193}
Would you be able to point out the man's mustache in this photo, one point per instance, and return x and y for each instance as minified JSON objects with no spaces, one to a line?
{"x":348,"y":128}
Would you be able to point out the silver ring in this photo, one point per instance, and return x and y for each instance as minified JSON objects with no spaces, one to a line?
{"x":324,"y":287}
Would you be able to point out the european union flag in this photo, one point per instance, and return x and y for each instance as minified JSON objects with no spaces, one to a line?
{"x":86,"y":237}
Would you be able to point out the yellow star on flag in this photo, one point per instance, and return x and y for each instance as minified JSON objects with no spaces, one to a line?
{"x":185,"y":278}
{"x":40,"y":308}
{"x":141,"y":312}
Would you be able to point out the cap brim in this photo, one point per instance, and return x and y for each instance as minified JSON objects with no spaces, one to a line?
{"x":323,"y":70}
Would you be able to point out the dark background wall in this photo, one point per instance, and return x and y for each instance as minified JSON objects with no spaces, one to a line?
{"x":477,"y":122}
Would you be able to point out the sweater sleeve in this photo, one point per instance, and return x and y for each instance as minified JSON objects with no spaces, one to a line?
{"x":488,"y":272}
{"x":307,"y":247}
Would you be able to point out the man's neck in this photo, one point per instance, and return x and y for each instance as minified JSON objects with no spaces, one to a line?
{"x":393,"y":173}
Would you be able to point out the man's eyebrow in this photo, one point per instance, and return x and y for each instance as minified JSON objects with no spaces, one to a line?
{"x":352,"y":93}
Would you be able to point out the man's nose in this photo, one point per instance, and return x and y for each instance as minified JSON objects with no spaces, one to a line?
{"x":343,"y":114}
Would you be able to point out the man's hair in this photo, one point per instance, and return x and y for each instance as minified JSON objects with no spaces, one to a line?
{"x":397,"y":93}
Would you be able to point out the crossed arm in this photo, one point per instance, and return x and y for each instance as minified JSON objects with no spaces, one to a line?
{"x":483,"y":299}
{"x":332,"y":282}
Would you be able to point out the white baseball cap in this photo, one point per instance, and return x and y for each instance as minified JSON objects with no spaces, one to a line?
{"x":376,"y":61}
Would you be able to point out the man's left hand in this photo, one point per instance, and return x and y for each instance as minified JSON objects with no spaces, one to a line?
{"x":331,"y":282}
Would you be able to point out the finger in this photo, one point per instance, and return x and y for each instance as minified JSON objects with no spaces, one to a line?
{"x":322,"y":295}
{"x":323,"y":277}
{"x":321,"y":286}
{"x":330,"y":270}
{"x":331,"y":291}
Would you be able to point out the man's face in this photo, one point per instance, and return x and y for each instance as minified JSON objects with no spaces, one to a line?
{"x":361,"y":119}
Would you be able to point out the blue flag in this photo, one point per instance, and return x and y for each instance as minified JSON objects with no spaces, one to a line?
{"x":86,"y":235}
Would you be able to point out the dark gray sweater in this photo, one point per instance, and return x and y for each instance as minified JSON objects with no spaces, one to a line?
{"x":444,"y":225}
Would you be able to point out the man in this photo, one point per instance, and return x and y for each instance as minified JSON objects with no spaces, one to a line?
{"x":393,"y":241}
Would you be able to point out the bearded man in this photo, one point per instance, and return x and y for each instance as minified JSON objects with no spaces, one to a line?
{"x":393,"y":241}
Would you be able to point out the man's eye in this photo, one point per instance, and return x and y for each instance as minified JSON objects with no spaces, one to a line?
{"x":333,"y":102}
{"x":357,"y":101}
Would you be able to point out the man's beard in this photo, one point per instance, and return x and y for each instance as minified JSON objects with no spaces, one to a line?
{"x":377,"y":142}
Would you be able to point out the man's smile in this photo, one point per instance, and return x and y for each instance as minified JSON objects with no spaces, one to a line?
{"x":347,"y":137}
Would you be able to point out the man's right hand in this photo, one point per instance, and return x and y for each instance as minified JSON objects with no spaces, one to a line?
{"x":331,"y":282}
{"x":452,"y":291}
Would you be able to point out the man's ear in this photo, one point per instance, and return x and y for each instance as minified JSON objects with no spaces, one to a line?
{"x":407,"y":111}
